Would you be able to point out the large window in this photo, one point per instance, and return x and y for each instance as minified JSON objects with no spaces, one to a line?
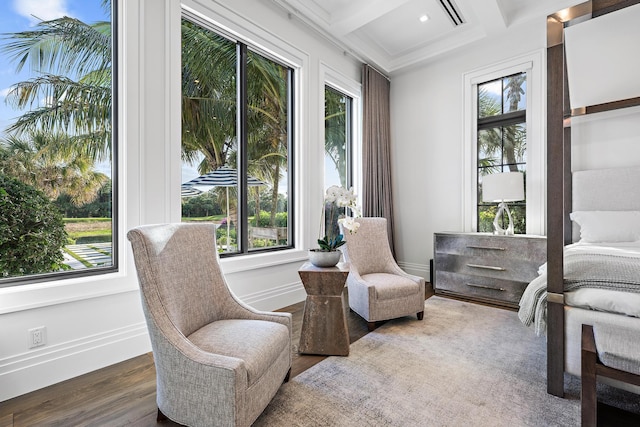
{"x":337,"y":138}
{"x":502,"y":141}
{"x":337,"y":146}
{"x":57,"y":140}
{"x":236,"y":141}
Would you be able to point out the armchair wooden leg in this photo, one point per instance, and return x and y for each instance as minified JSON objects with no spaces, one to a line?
{"x":420,"y":315}
{"x":161,"y":417}
{"x":371,"y":326}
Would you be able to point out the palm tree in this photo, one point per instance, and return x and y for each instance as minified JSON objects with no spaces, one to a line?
{"x":50,"y":163}
{"x":489,"y":140}
{"x":208,"y":97}
{"x":268,"y":123}
{"x":72,"y":62}
{"x":335,"y":132}
{"x":515,"y":135}
{"x":209,"y":106}
{"x":508,"y":141}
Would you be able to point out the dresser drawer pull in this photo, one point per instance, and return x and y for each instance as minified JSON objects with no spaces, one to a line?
{"x":491,"y":248}
{"x":486,"y":267}
{"x":474,"y":285}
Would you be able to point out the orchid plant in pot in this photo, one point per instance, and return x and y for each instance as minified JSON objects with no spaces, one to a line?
{"x":336,"y":201}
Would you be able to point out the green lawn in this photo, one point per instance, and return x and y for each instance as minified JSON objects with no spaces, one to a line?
{"x":88,"y":230}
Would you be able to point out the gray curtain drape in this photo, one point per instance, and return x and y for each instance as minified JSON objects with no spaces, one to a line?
{"x":376,"y":148}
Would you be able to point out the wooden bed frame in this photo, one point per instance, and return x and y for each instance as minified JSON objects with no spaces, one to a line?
{"x":559,"y":230}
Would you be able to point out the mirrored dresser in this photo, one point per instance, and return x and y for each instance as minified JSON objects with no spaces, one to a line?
{"x":486,"y":267}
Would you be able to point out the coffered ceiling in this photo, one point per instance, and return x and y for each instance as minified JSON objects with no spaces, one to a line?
{"x":390,"y":35}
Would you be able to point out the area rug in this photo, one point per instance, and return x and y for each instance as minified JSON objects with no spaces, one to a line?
{"x":464,"y":364}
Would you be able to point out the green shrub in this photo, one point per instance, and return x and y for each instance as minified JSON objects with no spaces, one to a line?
{"x":281,"y":219}
{"x":221,"y":234}
{"x":265,"y":219}
{"x":32,"y":232}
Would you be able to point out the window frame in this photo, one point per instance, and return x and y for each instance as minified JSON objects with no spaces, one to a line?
{"x":242,"y":52}
{"x":56,"y":276}
{"x":353,"y":89}
{"x":533,"y":65}
{"x":348,"y":134}
{"x":500,"y":121}
{"x":261,"y":41}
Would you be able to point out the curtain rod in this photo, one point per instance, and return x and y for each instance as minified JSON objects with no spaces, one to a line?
{"x":377,"y":71}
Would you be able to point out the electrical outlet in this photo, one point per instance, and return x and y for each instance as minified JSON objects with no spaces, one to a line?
{"x":37,"y":337}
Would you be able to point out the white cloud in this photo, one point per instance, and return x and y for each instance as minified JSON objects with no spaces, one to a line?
{"x":4,"y":92}
{"x":36,"y":10}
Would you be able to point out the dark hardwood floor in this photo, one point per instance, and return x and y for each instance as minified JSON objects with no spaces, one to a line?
{"x":124,"y":394}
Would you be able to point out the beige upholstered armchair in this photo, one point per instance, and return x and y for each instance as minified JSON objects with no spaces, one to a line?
{"x":218,"y":361}
{"x":378,"y":288}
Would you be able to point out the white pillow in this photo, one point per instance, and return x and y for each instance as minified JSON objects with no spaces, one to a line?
{"x":608,"y":226}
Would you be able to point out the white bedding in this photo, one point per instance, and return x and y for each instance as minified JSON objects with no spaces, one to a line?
{"x":626,"y":303}
{"x":606,"y":300}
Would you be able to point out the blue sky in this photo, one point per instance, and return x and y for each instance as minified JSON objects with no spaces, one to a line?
{"x":21,"y":15}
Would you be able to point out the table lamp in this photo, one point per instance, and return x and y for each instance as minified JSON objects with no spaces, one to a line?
{"x":502,"y":188}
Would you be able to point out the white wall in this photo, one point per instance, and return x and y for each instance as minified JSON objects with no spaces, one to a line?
{"x":427,"y":124}
{"x":95,"y":322}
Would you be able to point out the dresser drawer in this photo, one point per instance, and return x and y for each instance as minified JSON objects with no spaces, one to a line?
{"x":506,"y":292}
{"x":518,"y":269}
{"x":492,"y":247}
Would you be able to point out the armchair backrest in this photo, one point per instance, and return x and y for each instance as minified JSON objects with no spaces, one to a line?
{"x":368,"y":249}
{"x":179,"y":273}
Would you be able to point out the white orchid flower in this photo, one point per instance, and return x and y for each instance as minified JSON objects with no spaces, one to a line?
{"x":349,"y":223}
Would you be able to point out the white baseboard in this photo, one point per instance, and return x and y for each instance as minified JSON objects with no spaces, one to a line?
{"x":421,"y":270}
{"x":36,"y":369}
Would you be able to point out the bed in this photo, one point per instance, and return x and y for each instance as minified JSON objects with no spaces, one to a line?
{"x":584,"y":191}
{"x":602,"y":268}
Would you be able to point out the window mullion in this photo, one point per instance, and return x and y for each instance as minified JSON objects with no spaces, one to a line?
{"x":507,"y":119}
{"x":242,"y":119}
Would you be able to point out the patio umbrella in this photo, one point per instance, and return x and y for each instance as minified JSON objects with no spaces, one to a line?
{"x":226,"y":177}
{"x":189,"y":191}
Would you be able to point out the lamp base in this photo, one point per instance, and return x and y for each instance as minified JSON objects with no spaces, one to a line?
{"x":497,"y":228}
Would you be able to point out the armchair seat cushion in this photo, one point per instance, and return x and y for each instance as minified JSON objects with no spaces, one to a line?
{"x":257,"y":342}
{"x":391,"y":286}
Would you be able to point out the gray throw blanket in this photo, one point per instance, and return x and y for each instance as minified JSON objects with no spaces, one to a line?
{"x":582,"y":270}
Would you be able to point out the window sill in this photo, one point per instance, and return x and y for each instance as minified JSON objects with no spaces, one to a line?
{"x":262,"y":260}
{"x":32,"y":296}
{"x":43,"y":294}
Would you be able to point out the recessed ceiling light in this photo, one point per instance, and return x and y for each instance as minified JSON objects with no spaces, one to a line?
{"x":424,"y":18}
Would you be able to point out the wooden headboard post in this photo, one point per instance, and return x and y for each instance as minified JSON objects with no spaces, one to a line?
{"x":559,"y":186}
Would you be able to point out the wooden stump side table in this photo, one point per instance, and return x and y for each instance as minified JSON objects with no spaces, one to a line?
{"x":324,"y":322}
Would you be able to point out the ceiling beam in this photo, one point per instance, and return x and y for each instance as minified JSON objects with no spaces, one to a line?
{"x":489,"y":15}
{"x":360,"y":13}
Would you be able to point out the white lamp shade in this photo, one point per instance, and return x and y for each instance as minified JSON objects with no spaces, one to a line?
{"x":503,"y":187}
